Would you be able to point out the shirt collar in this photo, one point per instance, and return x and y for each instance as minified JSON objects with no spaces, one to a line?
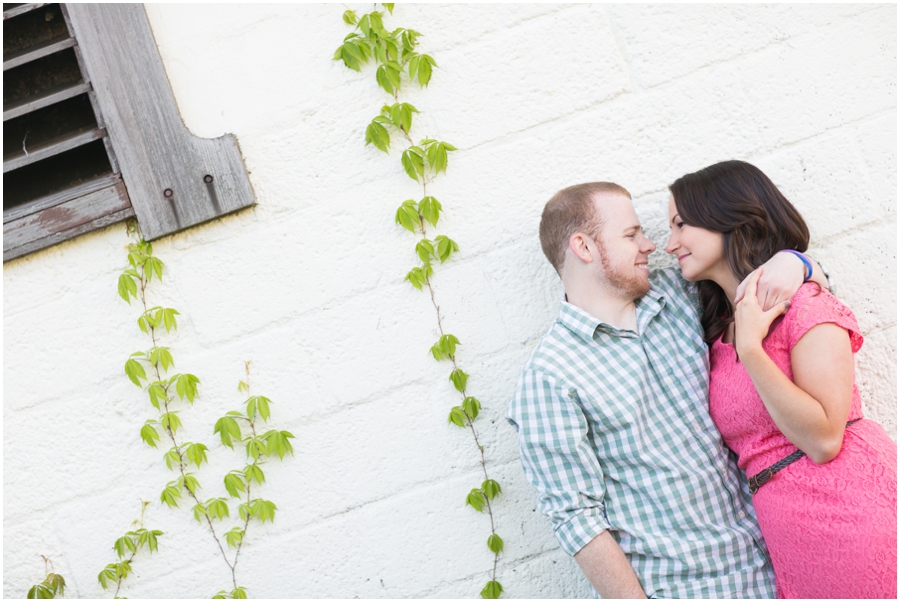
{"x":586,"y":326}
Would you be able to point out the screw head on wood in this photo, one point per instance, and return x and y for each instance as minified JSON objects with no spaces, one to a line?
{"x":168,"y":193}
{"x":207,"y":178}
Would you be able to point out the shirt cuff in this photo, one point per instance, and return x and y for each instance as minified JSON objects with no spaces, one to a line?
{"x":580,"y":529}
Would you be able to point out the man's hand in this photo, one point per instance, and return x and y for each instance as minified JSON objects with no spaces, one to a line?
{"x":779,"y":280}
{"x":604,"y":564}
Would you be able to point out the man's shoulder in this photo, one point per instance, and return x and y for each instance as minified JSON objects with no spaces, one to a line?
{"x":672,"y":284}
{"x":553,"y":351}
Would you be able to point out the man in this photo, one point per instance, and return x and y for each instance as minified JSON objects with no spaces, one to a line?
{"x":611,"y":413}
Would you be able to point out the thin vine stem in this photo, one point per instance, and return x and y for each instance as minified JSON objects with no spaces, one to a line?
{"x":471,"y":425}
{"x":181,"y":464}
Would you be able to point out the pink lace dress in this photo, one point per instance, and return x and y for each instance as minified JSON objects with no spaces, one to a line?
{"x":831,"y":529}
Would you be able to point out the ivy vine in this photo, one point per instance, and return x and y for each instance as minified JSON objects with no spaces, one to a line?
{"x":129,"y":545}
{"x":52,"y":586}
{"x":150,"y":370}
{"x":398,"y":63}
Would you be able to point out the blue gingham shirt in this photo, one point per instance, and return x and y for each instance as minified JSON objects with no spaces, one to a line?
{"x":614,"y":433}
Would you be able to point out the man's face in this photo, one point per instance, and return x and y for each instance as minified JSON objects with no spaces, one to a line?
{"x":623,"y":247}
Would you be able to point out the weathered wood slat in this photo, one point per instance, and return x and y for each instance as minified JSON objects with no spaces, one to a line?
{"x":53,"y":239}
{"x":21,"y":10}
{"x":175,"y":179}
{"x":52,"y":147}
{"x":46,"y":101}
{"x":57,"y":198}
{"x":63,"y":221}
{"x":38,"y":52}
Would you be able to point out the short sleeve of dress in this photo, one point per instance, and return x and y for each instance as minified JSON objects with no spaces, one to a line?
{"x":812,"y":306}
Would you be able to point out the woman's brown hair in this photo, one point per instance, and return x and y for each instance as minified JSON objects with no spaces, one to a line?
{"x":756,"y":220}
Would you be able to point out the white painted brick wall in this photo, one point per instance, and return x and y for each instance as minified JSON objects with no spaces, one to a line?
{"x":309,"y":283}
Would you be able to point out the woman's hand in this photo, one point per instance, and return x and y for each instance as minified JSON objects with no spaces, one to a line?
{"x":751,"y":323}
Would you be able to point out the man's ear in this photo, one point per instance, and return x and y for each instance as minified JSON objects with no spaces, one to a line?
{"x":578,"y":244}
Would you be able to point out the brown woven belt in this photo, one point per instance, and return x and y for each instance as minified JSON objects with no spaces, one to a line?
{"x":761,"y":478}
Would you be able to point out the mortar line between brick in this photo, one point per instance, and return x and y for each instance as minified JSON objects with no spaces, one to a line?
{"x":760,"y":50}
{"x":624,"y":61}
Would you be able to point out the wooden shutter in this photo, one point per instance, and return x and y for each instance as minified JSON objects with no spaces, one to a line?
{"x":122,"y":149}
{"x":60,"y":176}
{"x":175,"y":179}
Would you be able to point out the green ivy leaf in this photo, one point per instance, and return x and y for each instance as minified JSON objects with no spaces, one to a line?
{"x":495,"y":544}
{"x":277,"y":443}
{"x":476,"y":499}
{"x":262,"y":406}
{"x":252,"y":472}
{"x":189,"y":482}
{"x":239,"y":593}
{"x":430,"y":208}
{"x":170,"y":421}
{"x":436,"y":153}
{"x":425,"y":250}
{"x":234,"y":536}
{"x":407,"y":215}
{"x":445,"y":247}
{"x":170,"y":495}
{"x":234,"y":483}
{"x":389,"y":6}
{"x":157,"y":393}
{"x":135,"y":371}
{"x":169,"y":321}
{"x":459,"y":378}
{"x":196,"y":453}
{"x":107,"y":576}
{"x":378,"y":135}
{"x":127,"y":287}
{"x":384,"y":80}
{"x":199,"y":511}
{"x":55,"y":583}
{"x":413,"y":160}
{"x":173,"y":460}
{"x":161,"y":357}
{"x":123,"y":545}
{"x":492,"y":590}
{"x":491,"y":488}
{"x":149,"y":434}
{"x":228,"y":430}
{"x":457,"y":416}
{"x":185,"y":386}
{"x":217,"y":508}
{"x":256,"y":447}
{"x":350,"y":17}
{"x":418,"y":277}
{"x":471,"y":407}
{"x":153,"y":266}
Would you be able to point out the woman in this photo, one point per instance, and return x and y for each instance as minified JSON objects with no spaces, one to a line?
{"x":782,"y":392}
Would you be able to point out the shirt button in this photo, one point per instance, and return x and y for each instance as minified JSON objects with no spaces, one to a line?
{"x":742,"y":515}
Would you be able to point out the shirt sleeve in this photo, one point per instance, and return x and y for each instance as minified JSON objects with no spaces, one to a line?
{"x":558,"y":459}
{"x":811,"y":307}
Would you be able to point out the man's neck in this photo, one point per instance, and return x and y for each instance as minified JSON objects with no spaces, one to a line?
{"x":603,"y":304}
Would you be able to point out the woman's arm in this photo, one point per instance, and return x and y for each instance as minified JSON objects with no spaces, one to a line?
{"x":812,"y":410}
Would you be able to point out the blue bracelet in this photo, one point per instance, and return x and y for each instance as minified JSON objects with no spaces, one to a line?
{"x":809,"y":268}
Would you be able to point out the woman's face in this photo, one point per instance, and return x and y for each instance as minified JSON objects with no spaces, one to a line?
{"x":700,"y":252}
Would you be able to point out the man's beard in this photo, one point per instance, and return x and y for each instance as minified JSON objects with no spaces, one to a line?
{"x":630,"y":284}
